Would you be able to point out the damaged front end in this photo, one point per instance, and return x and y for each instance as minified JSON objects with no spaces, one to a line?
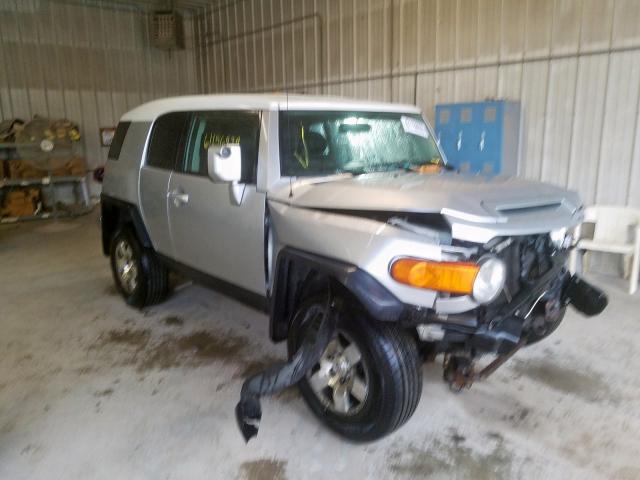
{"x":537,"y":290}
{"x":419,"y":271}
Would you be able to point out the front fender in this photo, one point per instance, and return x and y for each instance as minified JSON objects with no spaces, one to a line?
{"x":294,"y":267}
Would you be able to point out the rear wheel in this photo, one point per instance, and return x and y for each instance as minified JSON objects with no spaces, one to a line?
{"x":139,"y":276}
{"x":368,"y":381}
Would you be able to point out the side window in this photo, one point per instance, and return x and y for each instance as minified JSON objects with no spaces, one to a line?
{"x":218,"y":128}
{"x":166,"y":138}
{"x":118,"y":140}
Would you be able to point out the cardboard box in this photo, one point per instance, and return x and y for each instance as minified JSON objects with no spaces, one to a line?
{"x":21,"y":202}
{"x":77,"y":166}
{"x":58,"y":167}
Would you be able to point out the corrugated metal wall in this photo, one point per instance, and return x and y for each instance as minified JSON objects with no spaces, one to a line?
{"x":87,"y":61}
{"x":574,"y":65}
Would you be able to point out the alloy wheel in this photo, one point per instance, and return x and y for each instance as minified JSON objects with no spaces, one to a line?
{"x":340,"y":379}
{"x":126,"y":266}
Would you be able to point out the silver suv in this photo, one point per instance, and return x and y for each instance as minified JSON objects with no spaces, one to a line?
{"x":309,"y":205}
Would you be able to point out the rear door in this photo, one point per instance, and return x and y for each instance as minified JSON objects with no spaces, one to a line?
{"x":164,"y":148}
{"x":214,"y":230}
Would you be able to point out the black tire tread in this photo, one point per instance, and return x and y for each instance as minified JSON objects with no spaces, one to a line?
{"x":153,"y":276}
{"x":409,"y":369}
{"x":157,"y":278}
{"x":401,"y":373}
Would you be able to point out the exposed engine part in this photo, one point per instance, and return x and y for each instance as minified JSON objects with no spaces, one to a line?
{"x":430,"y":332}
{"x":280,"y":376}
{"x":499,"y":361}
{"x":500,"y":246}
{"x":535,"y":258}
{"x":535,"y":304}
{"x":459,"y":370}
{"x":546,"y":314}
{"x":585,"y":297}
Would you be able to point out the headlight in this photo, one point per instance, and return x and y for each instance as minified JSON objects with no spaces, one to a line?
{"x":483,"y":280}
{"x":490,"y":280}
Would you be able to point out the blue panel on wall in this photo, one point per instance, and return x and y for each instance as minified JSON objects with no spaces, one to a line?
{"x":480,"y":137}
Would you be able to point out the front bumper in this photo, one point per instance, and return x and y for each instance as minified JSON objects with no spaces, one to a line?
{"x":500,"y":329}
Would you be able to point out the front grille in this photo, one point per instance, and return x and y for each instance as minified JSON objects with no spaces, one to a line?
{"x":511,"y":258}
{"x":527,"y":258}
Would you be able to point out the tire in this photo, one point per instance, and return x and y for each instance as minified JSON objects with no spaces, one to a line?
{"x":151,"y":283}
{"x":390,"y":367}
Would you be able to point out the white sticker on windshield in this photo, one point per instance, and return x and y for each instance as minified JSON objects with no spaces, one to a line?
{"x":414,"y":126}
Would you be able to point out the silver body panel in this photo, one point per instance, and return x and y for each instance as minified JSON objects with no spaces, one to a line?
{"x":212,"y":234}
{"x":121,"y":176}
{"x":220,"y":237}
{"x":153,"y":207}
{"x":368,"y":244}
{"x":477,"y":208}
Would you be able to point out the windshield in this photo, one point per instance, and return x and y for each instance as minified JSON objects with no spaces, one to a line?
{"x":326,"y":143}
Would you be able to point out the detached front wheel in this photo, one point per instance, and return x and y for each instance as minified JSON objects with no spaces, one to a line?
{"x":368,"y":381}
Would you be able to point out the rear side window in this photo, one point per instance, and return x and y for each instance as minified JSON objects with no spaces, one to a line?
{"x":223,"y":128}
{"x":166,"y":139}
{"x":118,"y":140}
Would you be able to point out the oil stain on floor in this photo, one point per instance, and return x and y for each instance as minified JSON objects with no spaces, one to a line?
{"x":263,"y":469}
{"x":251,"y":367}
{"x":586,"y":384}
{"x":131,"y":347}
{"x":442,"y":460}
{"x":173,"y":321}
{"x":136,"y":338}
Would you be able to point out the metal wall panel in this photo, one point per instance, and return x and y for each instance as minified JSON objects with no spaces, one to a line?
{"x":87,"y":61}
{"x":573,"y":64}
{"x":586,"y":136}
{"x":558,"y":116}
{"x":620,"y":115}
{"x":535,"y":88}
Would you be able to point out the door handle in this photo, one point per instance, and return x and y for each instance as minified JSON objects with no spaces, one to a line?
{"x":179,"y":197}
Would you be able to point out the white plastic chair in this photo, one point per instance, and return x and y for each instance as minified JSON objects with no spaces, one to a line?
{"x":615,"y":230}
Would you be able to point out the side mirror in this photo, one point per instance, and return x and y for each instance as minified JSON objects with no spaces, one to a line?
{"x":225,"y":162}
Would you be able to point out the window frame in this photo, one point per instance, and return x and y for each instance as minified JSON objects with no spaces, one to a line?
{"x":283,"y":147}
{"x":115,"y":148}
{"x":256,"y":115}
{"x":180,"y":140}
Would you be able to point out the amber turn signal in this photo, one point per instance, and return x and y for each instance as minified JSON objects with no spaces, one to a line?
{"x":453,"y":277}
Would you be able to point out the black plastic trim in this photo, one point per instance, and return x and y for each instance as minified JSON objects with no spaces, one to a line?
{"x":375,"y":298}
{"x":255,"y":300}
{"x":116,"y":212}
{"x":118,"y":140}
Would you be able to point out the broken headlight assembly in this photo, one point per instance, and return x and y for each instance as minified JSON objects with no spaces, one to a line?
{"x":482,"y":280}
{"x":563,"y":238}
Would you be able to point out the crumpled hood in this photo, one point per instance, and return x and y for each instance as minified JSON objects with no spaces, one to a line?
{"x":524,"y":205}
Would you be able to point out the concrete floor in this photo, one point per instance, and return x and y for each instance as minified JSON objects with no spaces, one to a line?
{"x":90,"y":388}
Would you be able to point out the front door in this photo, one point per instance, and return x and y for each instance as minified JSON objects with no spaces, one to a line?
{"x":218,"y":228}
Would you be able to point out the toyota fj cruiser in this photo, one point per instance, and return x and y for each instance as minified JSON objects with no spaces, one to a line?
{"x":293,"y":200}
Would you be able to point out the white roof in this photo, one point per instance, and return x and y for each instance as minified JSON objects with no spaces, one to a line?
{"x":148,"y":112}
